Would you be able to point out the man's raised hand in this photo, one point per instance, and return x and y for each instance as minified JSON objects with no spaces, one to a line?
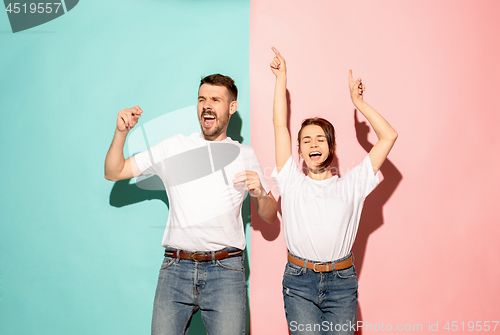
{"x":128,"y":118}
{"x":278,"y":65}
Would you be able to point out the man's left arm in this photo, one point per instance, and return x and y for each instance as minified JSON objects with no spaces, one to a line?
{"x":264,"y":202}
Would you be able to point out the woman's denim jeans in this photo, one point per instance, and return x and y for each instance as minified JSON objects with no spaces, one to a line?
{"x":216,"y":288}
{"x":320,"y":302}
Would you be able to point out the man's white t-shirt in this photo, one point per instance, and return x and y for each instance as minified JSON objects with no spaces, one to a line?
{"x":321,"y":217}
{"x":205,"y":205}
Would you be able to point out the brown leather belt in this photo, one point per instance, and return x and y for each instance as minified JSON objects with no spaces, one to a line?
{"x":322,"y":267}
{"x":203,"y":256}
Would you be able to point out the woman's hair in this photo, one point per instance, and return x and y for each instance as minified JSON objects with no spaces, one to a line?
{"x":329,"y":134}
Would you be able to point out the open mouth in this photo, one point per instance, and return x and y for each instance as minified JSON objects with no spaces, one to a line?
{"x":208,"y":120}
{"x":315,"y":155}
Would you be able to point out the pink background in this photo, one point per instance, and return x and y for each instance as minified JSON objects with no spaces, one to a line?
{"x":428,"y":245}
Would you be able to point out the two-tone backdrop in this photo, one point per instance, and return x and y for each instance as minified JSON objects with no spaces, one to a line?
{"x":80,"y":255}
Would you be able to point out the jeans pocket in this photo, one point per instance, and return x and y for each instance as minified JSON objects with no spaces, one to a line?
{"x":232,"y":263}
{"x":347,"y":273}
{"x":167,"y":262}
{"x":293,"y":270}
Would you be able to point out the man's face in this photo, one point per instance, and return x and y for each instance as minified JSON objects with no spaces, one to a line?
{"x":214,"y":111}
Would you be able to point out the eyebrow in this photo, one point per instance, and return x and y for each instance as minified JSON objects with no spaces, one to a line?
{"x":213,"y":97}
{"x":311,"y":137}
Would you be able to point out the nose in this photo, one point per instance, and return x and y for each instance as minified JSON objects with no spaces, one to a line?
{"x":205,"y":104}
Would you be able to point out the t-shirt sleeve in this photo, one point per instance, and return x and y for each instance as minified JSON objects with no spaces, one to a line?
{"x":256,"y":167}
{"x":287,"y":175}
{"x":148,"y":160}
{"x":361,"y":178}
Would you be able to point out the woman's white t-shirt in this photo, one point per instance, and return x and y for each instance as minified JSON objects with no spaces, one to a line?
{"x":321,"y":217}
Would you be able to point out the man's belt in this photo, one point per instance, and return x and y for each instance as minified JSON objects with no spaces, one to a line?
{"x":203,"y":256}
{"x":322,"y":267}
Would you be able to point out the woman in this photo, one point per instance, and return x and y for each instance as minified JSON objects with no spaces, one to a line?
{"x":321,"y":213}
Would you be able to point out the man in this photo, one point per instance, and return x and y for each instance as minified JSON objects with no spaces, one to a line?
{"x":205,"y":176}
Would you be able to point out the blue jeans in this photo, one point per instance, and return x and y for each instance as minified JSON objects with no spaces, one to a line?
{"x":320,"y":302}
{"x":216,"y":288}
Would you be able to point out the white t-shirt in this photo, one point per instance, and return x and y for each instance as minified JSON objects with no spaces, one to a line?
{"x":321,"y":217}
{"x":205,"y":206}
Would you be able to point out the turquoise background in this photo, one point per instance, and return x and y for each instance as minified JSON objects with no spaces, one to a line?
{"x":71,"y":262}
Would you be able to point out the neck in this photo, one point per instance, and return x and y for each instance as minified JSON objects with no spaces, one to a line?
{"x":219,"y":137}
{"x":320,"y":174}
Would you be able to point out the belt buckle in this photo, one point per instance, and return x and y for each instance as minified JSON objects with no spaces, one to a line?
{"x":327,"y":267}
{"x":193,"y":256}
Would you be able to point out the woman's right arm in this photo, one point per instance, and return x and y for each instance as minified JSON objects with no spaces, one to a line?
{"x":282,"y":142}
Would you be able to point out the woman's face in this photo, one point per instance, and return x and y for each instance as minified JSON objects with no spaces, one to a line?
{"x":313,"y":146}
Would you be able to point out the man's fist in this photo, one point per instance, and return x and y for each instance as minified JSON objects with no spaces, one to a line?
{"x":128,"y":118}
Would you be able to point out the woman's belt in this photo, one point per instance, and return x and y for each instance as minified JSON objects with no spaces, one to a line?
{"x":324,"y":266}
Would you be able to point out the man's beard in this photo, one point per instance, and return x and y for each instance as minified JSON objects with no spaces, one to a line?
{"x":214,"y":132}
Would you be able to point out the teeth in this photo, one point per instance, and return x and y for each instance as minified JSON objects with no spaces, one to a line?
{"x":209,"y":116}
{"x":315,"y":153}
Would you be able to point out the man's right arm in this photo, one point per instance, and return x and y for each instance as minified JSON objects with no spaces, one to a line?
{"x":116,"y":167}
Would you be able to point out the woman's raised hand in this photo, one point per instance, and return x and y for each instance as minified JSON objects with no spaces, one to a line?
{"x":356,"y":88}
{"x":278,"y":65}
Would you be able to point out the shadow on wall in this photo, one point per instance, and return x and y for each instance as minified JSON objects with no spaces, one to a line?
{"x":125,"y":193}
{"x":269,"y":232}
{"x":372,"y":217}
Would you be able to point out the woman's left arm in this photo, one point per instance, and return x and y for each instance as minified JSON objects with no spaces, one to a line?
{"x":385,"y":133}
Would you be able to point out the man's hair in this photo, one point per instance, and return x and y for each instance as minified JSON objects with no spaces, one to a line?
{"x":329,"y":134}
{"x":220,"y":80}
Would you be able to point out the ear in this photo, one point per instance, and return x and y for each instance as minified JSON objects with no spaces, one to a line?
{"x":233,"y":107}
